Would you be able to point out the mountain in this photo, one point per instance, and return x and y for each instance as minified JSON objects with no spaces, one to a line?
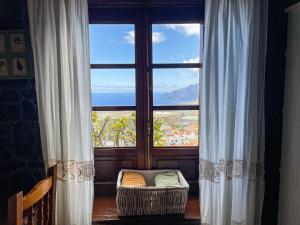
{"x":186,"y":94}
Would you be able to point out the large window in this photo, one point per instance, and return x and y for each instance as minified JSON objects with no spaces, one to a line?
{"x":145,"y":84}
{"x":146,"y":67}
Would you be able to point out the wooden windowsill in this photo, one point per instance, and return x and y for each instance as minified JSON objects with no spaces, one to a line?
{"x":105,"y":212}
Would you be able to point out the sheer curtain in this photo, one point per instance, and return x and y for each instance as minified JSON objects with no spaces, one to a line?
{"x":232,"y":112}
{"x":59,"y":36}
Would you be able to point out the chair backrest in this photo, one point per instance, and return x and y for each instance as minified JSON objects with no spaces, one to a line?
{"x":37,"y":206}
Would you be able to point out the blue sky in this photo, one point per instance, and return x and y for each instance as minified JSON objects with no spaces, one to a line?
{"x":172,"y":43}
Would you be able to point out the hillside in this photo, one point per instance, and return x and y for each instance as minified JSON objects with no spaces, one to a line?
{"x":186,"y":94}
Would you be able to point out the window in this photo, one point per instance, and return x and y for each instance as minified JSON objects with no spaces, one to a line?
{"x":113,"y":78}
{"x":146,"y":63}
{"x":175,"y":77}
{"x":172,"y":95}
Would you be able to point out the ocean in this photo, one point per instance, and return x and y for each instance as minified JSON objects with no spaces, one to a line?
{"x":128,"y":99}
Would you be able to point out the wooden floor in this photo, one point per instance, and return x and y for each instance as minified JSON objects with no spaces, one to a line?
{"x":105,"y":212}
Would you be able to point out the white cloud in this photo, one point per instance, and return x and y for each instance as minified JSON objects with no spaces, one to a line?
{"x":187,"y":29}
{"x":129,"y":37}
{"x":193,"y":60}
{"x":157,"y":37}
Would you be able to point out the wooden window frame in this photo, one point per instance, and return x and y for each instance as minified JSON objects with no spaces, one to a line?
{"x":138,"y":107}
{"x":108,"y":161}
{"x":143,"y":65}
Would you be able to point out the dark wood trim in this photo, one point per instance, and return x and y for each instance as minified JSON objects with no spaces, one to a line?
{"x":114,"y":108}
{"x":97,"y":19}
{"x":108,"y":16}
{"x":144,"y":4}
{"x":175,"y":151}
{"x":104,"y":188}
{"x":175,"y":65}
{"x":113,"y":151}
{"x":140,"y":89}
{"x":176,"y":20}
{"x":113,"y":66}
{"x":123,"y":15}
{"x":176,"y":107}
{"x":150,"y":92}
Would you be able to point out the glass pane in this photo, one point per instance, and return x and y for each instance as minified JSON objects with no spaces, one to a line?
{"x":176,"y":43}
{"x":175,"y":128}
{"x":111,"y":43}
{"x":114,"y":129}
{"x":176,"y":86}
{"x":113,"y":87}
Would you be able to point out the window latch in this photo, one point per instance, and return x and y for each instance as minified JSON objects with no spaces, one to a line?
{"x":148,"y":128}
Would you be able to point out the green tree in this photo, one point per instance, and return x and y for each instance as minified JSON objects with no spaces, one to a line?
{"x":118,"y":128}
{"x":98,"y":129}
{"x":129,"y":136}
{"x":158,"y":133}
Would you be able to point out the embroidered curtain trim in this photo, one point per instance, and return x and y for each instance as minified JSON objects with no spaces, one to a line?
{"x":66,"y":170}
{"x":229,"y":169}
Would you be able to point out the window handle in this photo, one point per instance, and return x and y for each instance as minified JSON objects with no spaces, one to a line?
{"x":148,"y":128}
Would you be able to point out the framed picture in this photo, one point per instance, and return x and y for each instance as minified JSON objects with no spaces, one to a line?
{"x":2,"y":44}
{"x":16,"y":59}
{"x":19,"y":66}
{"x":17,"y":42}
{"x":3,"y":67}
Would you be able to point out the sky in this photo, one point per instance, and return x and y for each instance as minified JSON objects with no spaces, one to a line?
{"x":172,"y":43}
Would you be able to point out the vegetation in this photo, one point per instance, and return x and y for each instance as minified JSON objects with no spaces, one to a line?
{"x":112,"y":131}
{"x":158,"y":134}
{"x":118,"y":129}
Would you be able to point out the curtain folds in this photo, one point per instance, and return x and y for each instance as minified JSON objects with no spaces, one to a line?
{"x":232,"y":112}
{"x":59,"y":36}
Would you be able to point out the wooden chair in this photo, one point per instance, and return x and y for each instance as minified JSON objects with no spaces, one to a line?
{"x":37,"y":207}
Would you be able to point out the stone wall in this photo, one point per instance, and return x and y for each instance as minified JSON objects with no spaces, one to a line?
{"x":21,"y":163}
{"x":20,"y":156}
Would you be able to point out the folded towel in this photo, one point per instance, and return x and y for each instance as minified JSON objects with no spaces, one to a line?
{"x":133,"y":179}
{"x":167,"y":179}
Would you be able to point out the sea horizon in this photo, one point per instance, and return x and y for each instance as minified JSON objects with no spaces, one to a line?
{"x":129,"y":99}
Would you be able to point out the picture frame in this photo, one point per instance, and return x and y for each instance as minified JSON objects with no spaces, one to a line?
{"x":19,"y":66}
{"x":17,"y":43}
{"x":2,"y":43}
{"x":4,"y":71}
{"x":16,"y":58}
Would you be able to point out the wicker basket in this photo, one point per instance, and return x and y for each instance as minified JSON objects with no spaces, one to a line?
{"x":151,"y":200}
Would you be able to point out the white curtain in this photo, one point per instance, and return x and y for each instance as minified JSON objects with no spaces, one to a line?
{"x":232,"y":112}
{"x":59,"y":36}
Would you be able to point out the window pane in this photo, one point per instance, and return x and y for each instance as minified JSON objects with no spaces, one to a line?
{"x":176,"y":86}
{"x":175,"y":128}
{"x":111,"y":43}
{"x":114,"y":129}
{"x":176,"y":43}
{"x":113,"y":87}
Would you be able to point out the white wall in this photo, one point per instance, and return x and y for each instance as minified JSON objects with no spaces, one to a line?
{"x":289,"y":200}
